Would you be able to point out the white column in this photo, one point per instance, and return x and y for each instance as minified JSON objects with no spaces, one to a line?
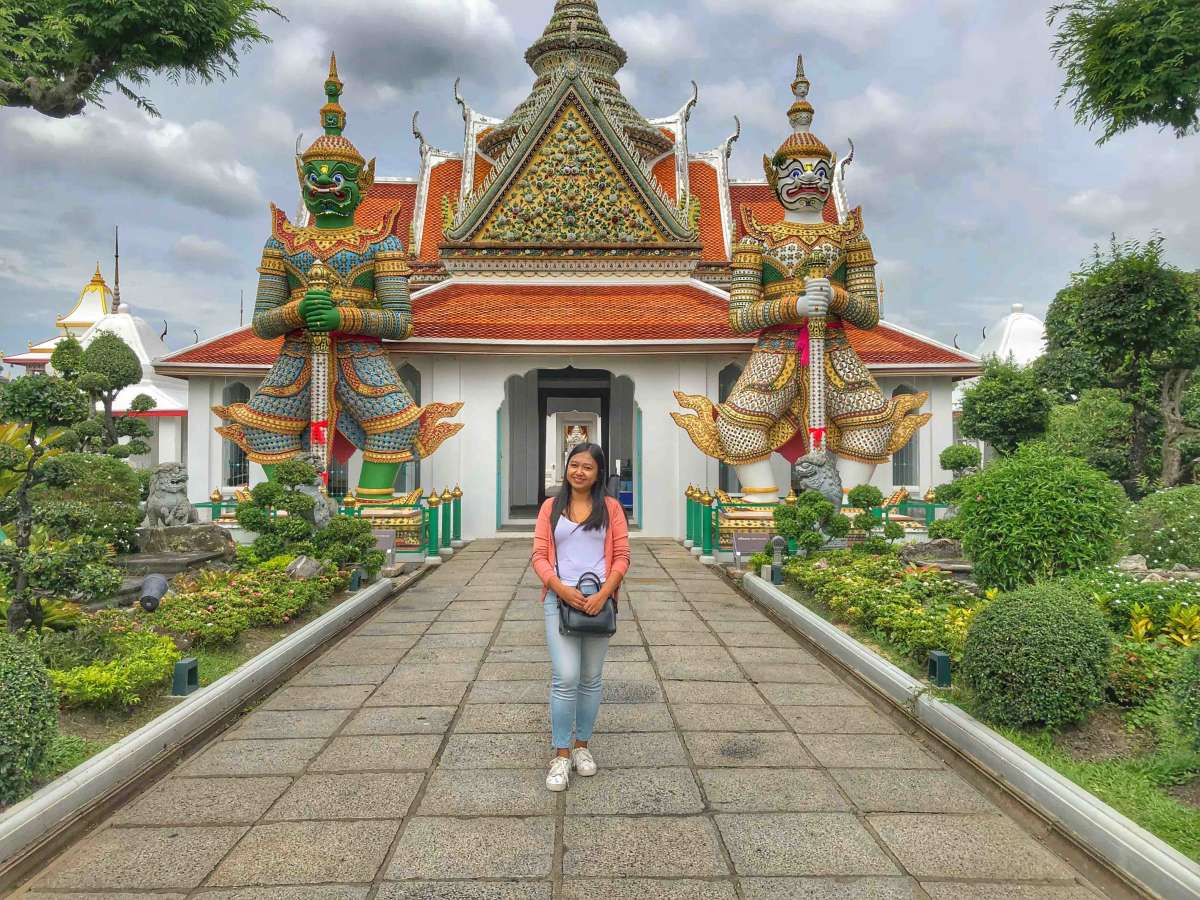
{"x":169,"y":438}
{"x":202,"y":472}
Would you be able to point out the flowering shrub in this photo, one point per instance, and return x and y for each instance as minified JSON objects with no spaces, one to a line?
{"x":214,"y":607}
{"x":1165,"y":527}
{"x":917,"y":609}
{"x":1150,"y":606}
{"x":1140,"y":669}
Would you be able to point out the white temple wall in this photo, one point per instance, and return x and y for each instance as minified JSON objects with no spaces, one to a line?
{"x":669,"y":460}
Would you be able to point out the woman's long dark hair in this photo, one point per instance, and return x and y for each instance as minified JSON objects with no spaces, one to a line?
{"x":599,"y":516}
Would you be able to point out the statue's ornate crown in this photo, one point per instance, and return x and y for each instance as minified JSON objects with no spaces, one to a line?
{"x":332,"y":145}
{"x":802,"y":142}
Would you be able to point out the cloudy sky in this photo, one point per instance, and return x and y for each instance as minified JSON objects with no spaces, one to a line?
{"x":977,"y":191}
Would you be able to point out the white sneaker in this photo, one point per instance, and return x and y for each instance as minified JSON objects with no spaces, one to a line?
{"x":560,"y":774}
{"x":583,"y":761}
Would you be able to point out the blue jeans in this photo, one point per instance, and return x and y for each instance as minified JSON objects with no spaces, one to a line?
{"x":576,"y":669}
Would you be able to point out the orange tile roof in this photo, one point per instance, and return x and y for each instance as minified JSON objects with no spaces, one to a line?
{"x":764,"y":204}
{"x":444,"y":182}
{"x":483,"y":169}
{"x":703,"y":180}
{"x":385,"y":196}
{"x":616,"y":313}
{"x":664,"y":174}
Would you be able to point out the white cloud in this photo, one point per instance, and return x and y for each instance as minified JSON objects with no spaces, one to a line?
{"x":196,"y":164}
{"x":390,"y":46}
{"x":194,"y":251}
{"x":656,"y":39}
{"x":857,"y":24}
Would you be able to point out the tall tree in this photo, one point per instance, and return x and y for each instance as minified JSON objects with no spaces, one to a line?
{"x":107,"y":367}
{"x":1130,"y":321}
{"x":1130,"y":63}
{"x":58,"y":56}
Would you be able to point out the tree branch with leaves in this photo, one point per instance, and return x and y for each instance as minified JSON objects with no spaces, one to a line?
{"x":60,"y":56}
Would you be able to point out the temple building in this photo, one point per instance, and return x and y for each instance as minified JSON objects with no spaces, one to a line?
{"x":100,"y":310}
{"x":571,"y":266}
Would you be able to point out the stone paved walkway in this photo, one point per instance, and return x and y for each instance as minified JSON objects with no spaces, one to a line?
{"x":408,"y":762}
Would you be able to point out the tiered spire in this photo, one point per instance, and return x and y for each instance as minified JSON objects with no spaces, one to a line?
{"x":802,"y":142}
{"x":332,"y":145}
{"x":577,"y":36}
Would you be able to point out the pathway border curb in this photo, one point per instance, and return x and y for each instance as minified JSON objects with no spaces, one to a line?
{"x":41,"y":816}
{"x":1139,"y":856}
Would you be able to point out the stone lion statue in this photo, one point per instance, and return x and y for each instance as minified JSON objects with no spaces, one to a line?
{"x":815,"y":471}
{"x":168,"y":504}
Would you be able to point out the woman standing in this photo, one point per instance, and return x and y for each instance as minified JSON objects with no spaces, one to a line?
{"x":581,"y":530}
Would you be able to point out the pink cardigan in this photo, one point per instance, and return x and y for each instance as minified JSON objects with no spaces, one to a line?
{"x":616,"y":544}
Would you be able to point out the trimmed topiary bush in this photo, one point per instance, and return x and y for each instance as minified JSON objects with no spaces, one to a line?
{"x":1165,"y":527}
{"x":1037,"y":656}
{"x":28,"y":716}
{"x":1187,"y":695}
{"x":1038,"y":514}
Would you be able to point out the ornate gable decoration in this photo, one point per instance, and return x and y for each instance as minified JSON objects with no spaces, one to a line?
{"x":571,"y":184}
{"x":570,"y":191}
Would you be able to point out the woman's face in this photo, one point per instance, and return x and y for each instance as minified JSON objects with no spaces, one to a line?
{"x":582,"y":471}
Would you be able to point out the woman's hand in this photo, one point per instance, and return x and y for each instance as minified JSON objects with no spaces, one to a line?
{"x":573,"y":597}
{"x":595,"y":603}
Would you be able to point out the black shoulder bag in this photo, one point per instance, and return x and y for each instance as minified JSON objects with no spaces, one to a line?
{"x":576,"y":622}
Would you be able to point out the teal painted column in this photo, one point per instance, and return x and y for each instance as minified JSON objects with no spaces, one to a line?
{"x":706,"y":528}
{"x":457,"y":494}
{"x":690,"y":530}
{"x":447,"y":524}
{"x":431,"y":546}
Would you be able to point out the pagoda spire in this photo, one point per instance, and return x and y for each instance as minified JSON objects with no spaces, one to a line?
{"x":116,"y":304}
{"x":577,"y":40}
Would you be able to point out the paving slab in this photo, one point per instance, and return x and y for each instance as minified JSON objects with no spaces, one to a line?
{"x":489,"y":847}
{"x":646,"y":889}
{"x":647,"y":846}
{"x":408,"y":760}
{"x":377,"y":752}
{"x":868,"y":751}
{"x":142,"y":859}
{"x":715,"y":749}
{"x":285,"y":757}
{"x":307,"y":853}
{"x":931,"y":791}
{"x":954,"y":846}
{"x":342,"y":696}
{"x":611,"y":791}
{"x":834,"y":889}
{"x":772,"y":790}
{"x":488,"y":792}
{"x":348,"y":796}
{"x":203,"y":801}
{"x":834,"y":844}
{"x":465,"y":890}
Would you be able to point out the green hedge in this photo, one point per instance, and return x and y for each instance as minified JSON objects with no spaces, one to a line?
{"x":1037,"y":656}
{"x":1036,"y":515}
{"x":28,"y":715}
{"x":1187,"y":696}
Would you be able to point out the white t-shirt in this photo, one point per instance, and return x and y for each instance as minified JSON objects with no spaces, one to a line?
{"x":579,"y":551}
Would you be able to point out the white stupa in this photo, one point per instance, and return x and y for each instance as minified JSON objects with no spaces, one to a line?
{"x":1019,"y":337}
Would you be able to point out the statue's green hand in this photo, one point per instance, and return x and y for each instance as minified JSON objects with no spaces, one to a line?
{"x":324,"y":319}
{"x":314,"y":301}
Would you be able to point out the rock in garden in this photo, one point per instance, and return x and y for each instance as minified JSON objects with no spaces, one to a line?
{"x":941,"y":548}
{"x":203,"y":537}
{"x":1155,"y":578}
{"x":1135,"y":563}
{"x":303,"y":568}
